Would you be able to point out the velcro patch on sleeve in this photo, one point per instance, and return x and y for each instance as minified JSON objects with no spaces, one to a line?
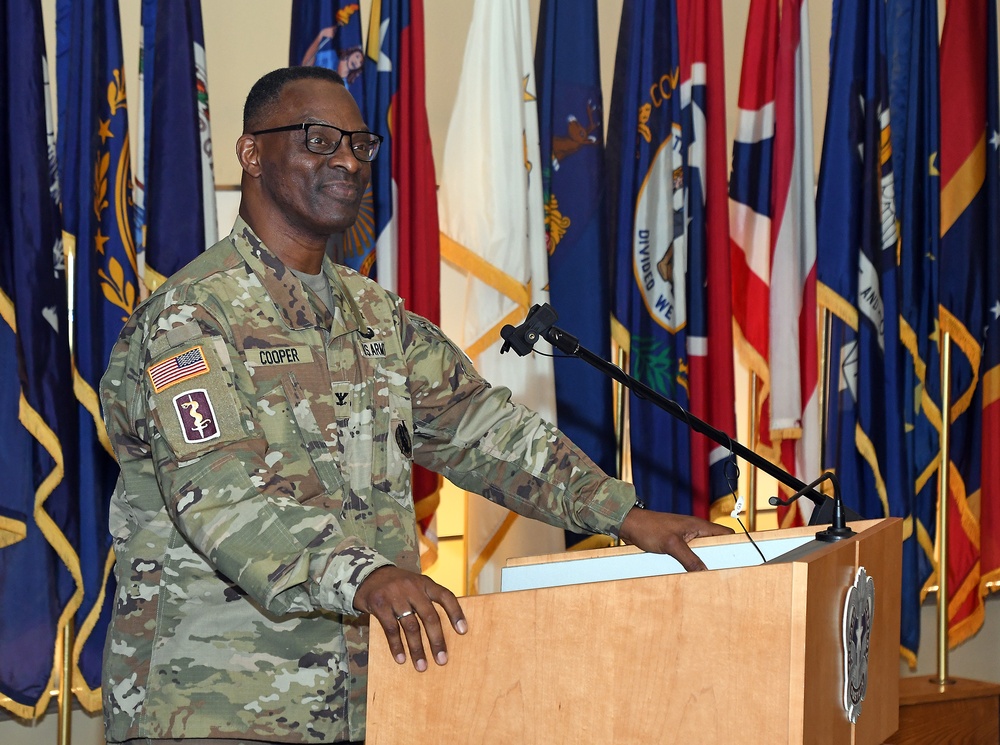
{"x":193,"y":399}
{"x":188,"y":364}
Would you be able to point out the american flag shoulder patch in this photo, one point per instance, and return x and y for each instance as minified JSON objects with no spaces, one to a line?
{"x":188,"y":364}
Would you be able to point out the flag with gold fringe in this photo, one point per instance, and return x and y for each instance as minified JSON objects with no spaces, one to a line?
{"x":98,"y":232}
{"x":40,"y":586}
{"x":175,"y":215}
{"x":493,"y":231}
{"x":969,"y":235}
{"x":913,"y":82}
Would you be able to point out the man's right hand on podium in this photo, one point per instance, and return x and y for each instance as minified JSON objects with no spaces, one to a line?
{"x":404,"y":600}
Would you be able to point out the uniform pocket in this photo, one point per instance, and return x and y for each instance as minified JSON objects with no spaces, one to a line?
{"x":299,"y":458}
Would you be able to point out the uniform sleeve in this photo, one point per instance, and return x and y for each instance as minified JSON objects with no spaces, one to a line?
{"x":174,"y":397}
{"x":473,"y":434}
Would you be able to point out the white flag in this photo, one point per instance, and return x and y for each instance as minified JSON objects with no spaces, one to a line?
{"x":493,"y":230}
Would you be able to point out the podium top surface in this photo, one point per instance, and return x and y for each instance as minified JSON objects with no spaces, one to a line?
{"x":627,"y":562}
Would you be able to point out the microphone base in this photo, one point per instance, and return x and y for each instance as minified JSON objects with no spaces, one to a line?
{"x":832,"y":535}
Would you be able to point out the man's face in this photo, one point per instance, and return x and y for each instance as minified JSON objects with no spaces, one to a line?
{"x":320,"y":194}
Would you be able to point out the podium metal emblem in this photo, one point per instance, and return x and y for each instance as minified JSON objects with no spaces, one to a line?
{"x":859,"y":609}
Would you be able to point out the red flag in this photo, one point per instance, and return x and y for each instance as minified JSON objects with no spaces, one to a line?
{"x":774,"y":240}
{"x":968,"y":244}
{"x":710,"y":347}
{"x":409,"y":255}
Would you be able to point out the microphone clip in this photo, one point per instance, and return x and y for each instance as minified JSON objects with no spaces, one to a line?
{"x":522,"y":338}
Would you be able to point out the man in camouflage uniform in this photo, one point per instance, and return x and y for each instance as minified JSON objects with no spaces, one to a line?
{"x":265,"y":406}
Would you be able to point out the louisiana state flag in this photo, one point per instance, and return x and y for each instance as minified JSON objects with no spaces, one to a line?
{"x":645,"y":167}
{"x":710,"y":332}
{"x":327,"y":33}
{"x":98,"y":232}
{"x":175,"y":213}
{"x":773,"y":239}
{"x":913,"y":82}
{"x":858,"y":269}
{"x":571,"y":132}
{"x":969,"y":235}
{"x":405,"y":191}
{"x":39,"y":568}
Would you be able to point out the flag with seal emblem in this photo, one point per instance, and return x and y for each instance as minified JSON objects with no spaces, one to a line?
{"x":645,"y":161}
{"x":99,"y":235}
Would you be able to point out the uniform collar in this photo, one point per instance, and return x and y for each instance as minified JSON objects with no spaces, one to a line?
{"x":286,"y":290}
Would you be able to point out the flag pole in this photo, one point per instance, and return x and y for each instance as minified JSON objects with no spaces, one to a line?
{"x":752,"y":439}
{"x":621,"y":398}
{"x":942,"y":526}
{"x":66,"y":686}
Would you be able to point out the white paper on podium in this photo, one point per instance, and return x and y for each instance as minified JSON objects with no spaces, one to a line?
{"x":627,"y":566}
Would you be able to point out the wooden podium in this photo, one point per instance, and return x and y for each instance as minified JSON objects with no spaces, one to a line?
{"x":753,"y":653}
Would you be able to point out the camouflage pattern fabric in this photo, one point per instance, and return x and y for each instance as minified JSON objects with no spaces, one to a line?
{"x":265,"y":445}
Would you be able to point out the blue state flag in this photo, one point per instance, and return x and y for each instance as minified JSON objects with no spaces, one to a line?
{"x":646,"y":218}
{"x":175,"y":215}
{"x":38,"y":565}
{"x":95,"y":176}
{"x":327,"y":33}
{"x":858,"y":271}
{"x":571,"y":127}
{"x":913,"y":84}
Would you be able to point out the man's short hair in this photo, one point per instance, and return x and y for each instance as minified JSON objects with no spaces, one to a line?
{"x":263,"y":97}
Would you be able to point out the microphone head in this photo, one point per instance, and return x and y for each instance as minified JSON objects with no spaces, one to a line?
{"x":774,"y":501}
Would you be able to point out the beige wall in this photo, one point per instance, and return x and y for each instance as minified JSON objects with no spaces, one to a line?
{"x":246,"y":38}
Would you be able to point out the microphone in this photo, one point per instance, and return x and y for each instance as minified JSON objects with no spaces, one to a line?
{"x":540,"y":324}
{"x":838,"y":529}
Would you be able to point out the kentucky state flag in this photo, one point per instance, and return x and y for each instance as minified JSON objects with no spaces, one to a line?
{"x":327,"y":33}
{"x":969,"y":251}
{"x":773,"y":238}
{"x":405,"y":191}
{"x":571,"y":129}
{"x":175,"y":212}
{"x":647,"y":222}
{"x":858,"y":270}
{"x":39,"y":568}
{"x":913,"y":81}
{"x":710,"y":332}
{"x":96,"y":180}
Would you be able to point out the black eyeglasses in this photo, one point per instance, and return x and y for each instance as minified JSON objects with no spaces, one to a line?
{"x":324,"y":139}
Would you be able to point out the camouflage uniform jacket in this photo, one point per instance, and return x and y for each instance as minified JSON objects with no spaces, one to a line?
{"x":265,"y":446}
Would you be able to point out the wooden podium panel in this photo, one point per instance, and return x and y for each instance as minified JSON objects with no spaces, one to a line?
{"x":750,"y":654}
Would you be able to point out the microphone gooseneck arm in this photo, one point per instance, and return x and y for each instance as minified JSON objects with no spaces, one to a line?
{"x":540,"y":323}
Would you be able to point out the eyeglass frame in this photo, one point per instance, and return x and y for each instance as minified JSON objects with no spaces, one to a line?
{"x":348,"y":132}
